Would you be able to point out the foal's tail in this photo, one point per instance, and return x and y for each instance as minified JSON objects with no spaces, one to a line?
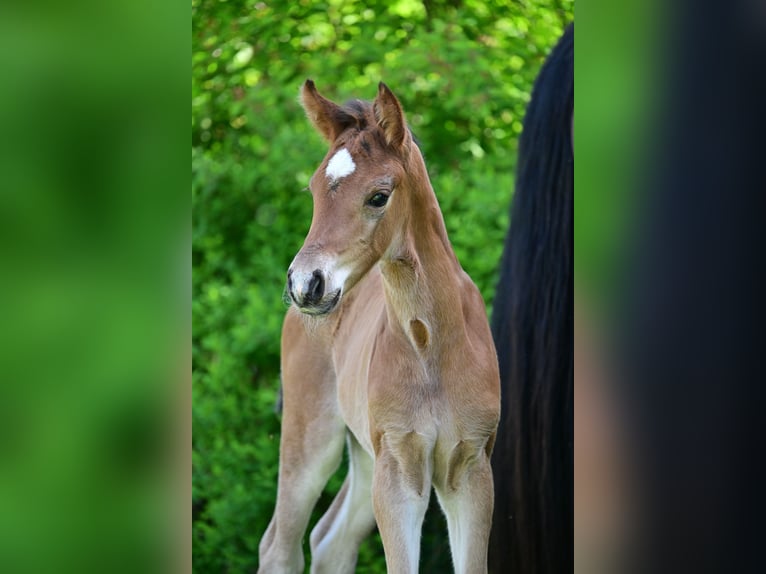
{"x":532,"y":324}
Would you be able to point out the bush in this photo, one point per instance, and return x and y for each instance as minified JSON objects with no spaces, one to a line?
{"x":463,"y":71}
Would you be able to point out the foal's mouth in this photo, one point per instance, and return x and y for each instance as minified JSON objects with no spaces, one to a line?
{"x":323,"y":307}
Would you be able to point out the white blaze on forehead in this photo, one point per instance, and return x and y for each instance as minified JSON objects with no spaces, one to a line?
{"x":340,"y":165}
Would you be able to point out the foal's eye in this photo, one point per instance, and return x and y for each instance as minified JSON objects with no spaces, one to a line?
{"x":378,"y":200}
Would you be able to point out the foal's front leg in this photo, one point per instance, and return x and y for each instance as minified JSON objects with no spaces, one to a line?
{"x":310,"y":449}
{"x":401,"y":489}
{"x":467,"y":497}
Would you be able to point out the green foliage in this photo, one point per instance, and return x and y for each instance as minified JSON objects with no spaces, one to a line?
{"x":463,"y":71}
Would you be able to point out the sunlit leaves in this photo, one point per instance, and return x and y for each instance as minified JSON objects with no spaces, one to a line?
{"x":463,"y":71}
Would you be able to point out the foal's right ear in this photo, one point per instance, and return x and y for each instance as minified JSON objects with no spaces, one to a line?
{"x":324,"y":114}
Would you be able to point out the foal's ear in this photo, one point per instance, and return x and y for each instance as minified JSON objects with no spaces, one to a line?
{"x":324,"y":114}
{"x":390,"y":117}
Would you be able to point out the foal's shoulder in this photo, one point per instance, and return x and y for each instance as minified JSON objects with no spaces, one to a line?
{"x":470,"y":292}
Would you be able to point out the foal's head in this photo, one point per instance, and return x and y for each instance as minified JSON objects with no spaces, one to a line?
{"x":360,"y":193}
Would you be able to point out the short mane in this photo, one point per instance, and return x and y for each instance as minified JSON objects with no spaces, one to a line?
{"x":358,"y":114}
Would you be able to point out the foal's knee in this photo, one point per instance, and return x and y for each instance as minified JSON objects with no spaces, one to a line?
{"x":467,"y":456}
{"x":404,"y":462}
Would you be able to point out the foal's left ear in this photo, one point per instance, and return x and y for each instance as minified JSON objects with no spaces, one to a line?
{"x":390,"y":118}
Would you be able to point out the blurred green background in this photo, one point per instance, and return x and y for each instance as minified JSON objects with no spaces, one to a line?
{"x":463,"y":72}
{"x":94,"y":294}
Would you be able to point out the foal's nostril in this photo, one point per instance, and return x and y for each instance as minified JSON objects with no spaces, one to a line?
{"x":315,"y":287}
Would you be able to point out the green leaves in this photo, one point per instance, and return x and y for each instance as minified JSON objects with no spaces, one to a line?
{"x":463,"y":72}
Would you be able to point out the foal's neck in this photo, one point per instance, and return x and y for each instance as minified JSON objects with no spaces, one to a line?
{"x":422,"y":276}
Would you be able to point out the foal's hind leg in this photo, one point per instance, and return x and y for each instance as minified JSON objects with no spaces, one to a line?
{"x":336,"y":538}
{"x":311,"y":446}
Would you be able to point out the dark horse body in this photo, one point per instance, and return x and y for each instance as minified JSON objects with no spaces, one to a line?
{"x":532,"y":325}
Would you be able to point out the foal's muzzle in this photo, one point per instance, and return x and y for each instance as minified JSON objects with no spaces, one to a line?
{"x":308,"y":292}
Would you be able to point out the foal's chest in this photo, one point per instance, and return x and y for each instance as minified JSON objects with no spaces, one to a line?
{"x":386,"y":387}
{"x":374,"y":378}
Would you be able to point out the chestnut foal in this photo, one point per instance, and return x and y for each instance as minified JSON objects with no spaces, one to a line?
{"x":386,"y":347}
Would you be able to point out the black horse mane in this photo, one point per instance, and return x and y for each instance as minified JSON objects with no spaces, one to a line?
{"x":532,"y":324}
